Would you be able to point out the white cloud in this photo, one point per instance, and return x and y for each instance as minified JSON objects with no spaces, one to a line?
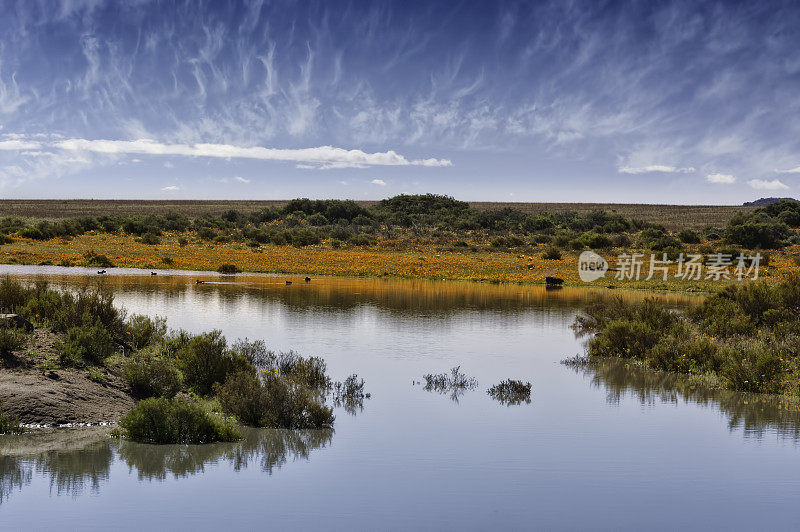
{"x":15,"y":144}
{"x":241,"y":179}
{"x":763,"y":184}
{"x":169,"y":165}
{"x":790,"y":171}
{"x":654,"y":168}
{"x":171,"y":188}
{"x":720,"y":179}
{"x":322,"y":156}
{"x":379,"y":182}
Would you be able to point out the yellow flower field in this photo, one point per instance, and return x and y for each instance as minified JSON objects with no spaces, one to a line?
{"x":423,"y":261}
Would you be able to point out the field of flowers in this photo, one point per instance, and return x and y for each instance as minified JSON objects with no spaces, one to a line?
{"x":424,"y":261}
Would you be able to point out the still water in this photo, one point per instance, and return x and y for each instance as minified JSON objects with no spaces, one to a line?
{"x":606,"y":447}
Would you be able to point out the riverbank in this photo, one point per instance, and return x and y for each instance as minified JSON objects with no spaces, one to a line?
{"x":424,"y":261}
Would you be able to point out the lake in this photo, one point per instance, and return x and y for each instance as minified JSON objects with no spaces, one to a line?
{"x":606,"y":447}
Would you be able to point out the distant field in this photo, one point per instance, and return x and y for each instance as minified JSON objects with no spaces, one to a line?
{"x":672,"y":216}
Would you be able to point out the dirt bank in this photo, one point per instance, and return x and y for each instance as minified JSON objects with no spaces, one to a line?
{"x":56,"y":397}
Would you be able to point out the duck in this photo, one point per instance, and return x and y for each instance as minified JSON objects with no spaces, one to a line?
{"x":288,"y":283}
{"x":101,"y":272}
{"x":308,"y":279}
{"x":153,"y":273}
{"x":199,"y":282}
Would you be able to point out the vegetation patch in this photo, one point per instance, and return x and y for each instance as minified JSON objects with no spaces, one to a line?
{"x":169,"y":421}
{"x":9,"y":424}
{"x":511,"y":392}
{"x":747,"y":336}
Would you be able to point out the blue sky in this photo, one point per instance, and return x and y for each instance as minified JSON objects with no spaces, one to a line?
{"x":654,"y":102}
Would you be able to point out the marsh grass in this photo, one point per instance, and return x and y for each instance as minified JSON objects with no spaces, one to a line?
{"x":456,"y":383}
{"x":511,"y":392}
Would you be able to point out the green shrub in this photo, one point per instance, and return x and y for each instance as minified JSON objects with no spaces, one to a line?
{"x":99,"y":261}
{"x":274,"y":401}
{"x":150,"y":375}
{"x":10,"y":341}
{"x":149,"y":239}
{"x":143,"y":330}
{"x":623,"y":338}
{"x":552,"y":253}
{"x":5,"y":239}
{"x":170,"y":421}
{"x":309,"y":371}
{"x":91,"y":345}
{"x":205,"y":359}
{"x":688,"y":236}
{"x":183,"y":241}
{"x":228,"y":269}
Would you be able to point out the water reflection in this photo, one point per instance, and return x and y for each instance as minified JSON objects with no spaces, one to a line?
{"x":76,"y":461}
{"x":755,"y":415}
{"x":332,"y":294}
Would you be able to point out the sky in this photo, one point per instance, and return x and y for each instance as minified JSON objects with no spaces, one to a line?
{"x":562,"y":101}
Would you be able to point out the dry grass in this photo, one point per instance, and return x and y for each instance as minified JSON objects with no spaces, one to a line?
{"x":674,"y":217}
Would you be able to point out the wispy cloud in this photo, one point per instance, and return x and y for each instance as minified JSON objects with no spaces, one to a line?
{"x":19,"y":145}
{"x":763,"y":184}
{"x":721,"y":179}
{"x":321,"y":156}
{"x":379,"y":182}
{"x":241,"y":179}
{"x":790,"y":171}
{"x":655,"y":168}
{"x":171,"y":188}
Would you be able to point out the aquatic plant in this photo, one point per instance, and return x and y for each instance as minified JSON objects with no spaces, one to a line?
{"x":511,"y":392}
{"x":164,"y":421}
{"x":444,"y":382}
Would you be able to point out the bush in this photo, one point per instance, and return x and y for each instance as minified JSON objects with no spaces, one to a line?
{"x":149,"y":239}
{"x":149,"y":375}
{"x":99,"y":261}
{"x":228,"y":269}
{"x":688,"y":236}
{"x":172,"y":421}
{"x":205,"y":359}
{"x":552,"y":253}
{"x":10,"y":341}
{"x":183,"y":241}
{"x":143,"y":330}
{"x":274,"y":401}
{"x":91,"y":345}
{"x":625,"y":339}
{"x":751,"y":233}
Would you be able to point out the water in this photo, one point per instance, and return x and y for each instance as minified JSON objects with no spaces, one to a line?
{"x":606,"y":447}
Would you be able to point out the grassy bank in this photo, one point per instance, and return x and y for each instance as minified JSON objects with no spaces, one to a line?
{"x":745,"y":337}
